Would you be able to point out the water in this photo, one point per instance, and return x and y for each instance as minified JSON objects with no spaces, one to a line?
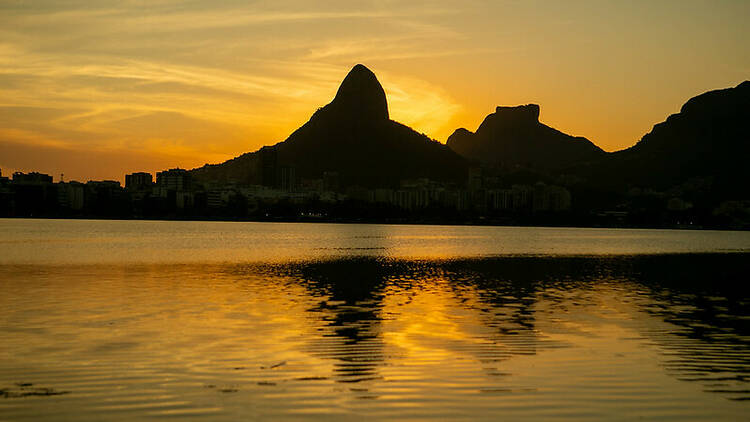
{"x":157,"y":242}
{"x":107,"y":320}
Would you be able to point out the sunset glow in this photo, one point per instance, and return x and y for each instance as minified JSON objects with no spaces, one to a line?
{"x":97,"y":90}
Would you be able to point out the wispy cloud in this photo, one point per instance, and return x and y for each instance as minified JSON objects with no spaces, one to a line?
{"x":192,"y":78}
{"x":186,"y":79}
{"x":160,"y":20}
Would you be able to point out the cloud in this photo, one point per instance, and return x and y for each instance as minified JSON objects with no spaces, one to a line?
{"x":118,"y":17}
{"x":192,"y":82}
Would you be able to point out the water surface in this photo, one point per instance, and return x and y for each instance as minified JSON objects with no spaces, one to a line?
{"x":247,"y":321}
{"x":98,"y":241}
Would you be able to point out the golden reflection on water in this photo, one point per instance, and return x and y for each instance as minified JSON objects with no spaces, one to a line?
{"x":539,"y":338}
{"x":67,"y":242}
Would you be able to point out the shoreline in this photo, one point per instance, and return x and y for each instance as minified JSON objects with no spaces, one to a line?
{"x":479,"y":222}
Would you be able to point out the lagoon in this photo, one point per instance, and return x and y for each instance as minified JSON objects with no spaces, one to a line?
{"x":133,"y":320}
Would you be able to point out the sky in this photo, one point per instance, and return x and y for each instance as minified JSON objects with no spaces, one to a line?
{"x":95,"y":90}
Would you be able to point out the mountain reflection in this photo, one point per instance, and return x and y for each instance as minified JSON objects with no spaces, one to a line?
{"x":700,"y":303}
{"x":395,"y":338}
{"x":351,"y":293}
{"x":708,"y":304}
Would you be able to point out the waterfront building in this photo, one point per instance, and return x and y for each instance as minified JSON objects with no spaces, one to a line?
{"x":176,"y":179}
{"x":71,"y":195}
{"x":286,"y":179}
{"x":31,"y":178}
{"x":139,"y":181}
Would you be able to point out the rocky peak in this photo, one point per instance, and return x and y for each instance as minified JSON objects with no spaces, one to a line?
{"x":518,"y":115}
{"x":361,"y":96}
{"x":514,"y":136}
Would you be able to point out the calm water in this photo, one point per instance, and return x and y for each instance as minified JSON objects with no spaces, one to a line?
{"x":107,"y":320}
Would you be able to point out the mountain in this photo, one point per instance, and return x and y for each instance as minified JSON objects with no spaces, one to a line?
{"x":708,"y":141}
{"x":514,"y":137}
{"x":353,"y":136}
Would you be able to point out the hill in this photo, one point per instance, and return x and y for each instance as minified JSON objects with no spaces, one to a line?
{"x":513,"y":137}
{"x":354,"y":137}
{"x":708,"y":140}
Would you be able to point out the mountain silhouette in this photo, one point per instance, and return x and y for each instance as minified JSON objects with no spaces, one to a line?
{"x":514,"y":137}
{"x":710,"y":136}
{"x":354,"y":137}
{"x":707,"y":143}
{"x":360,"y":97}
{"x":703,"y":148}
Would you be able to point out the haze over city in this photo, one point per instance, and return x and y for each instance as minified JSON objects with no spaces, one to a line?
{"x":97,"y":91}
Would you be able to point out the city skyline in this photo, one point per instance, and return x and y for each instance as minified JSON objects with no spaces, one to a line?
{"x":98,"y":93}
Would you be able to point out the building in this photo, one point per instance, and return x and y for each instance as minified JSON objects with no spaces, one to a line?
{"x":550,"y":198}
{"x":139,"y":181}
{"x":31,"y":178}
{"x":6,"y":196}
{"x":70,"y":195}
{"x":523,"y":197}
{"x":33,"y":194}
{"x":500,"y":199}
{"x":105,"y":198}
{"x":184,"y":200}
{"x":176,"y":179}
{"x":216,"y":198}
{"x":286,"y":178}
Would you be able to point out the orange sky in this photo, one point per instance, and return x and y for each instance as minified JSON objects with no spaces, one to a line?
{"x":121,"y":86}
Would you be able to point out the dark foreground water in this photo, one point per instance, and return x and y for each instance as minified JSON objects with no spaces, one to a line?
{"x":245,"y":321}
